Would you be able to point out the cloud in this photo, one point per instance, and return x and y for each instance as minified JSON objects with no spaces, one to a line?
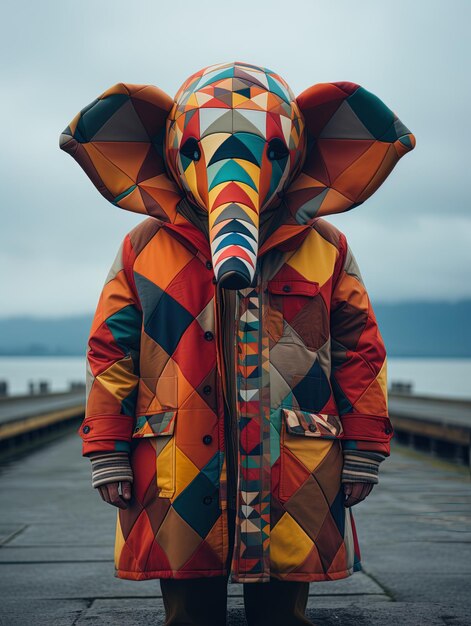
{"x":59,"y":236}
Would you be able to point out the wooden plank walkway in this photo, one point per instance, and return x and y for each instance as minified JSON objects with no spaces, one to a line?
{"x":21,"y":407}
{"x":56,"y":559}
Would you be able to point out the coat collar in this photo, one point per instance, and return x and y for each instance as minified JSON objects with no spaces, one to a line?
{"x":191,"y":229}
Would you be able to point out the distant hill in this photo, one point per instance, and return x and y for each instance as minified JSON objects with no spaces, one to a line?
{"x":44,"y":336}
{"x":409,"y":328}
{"x":427,"y":329}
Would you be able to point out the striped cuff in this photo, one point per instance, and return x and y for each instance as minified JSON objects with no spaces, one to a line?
{"x":110,"y":467}
{"x":360,"y":466}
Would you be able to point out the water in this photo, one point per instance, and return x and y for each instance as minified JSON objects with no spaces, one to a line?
{"x":450,"y":378}
{"x":438,"y":377}
{"x":59,"y":371}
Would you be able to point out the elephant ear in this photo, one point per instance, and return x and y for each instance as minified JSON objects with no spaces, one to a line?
{"x":118,"y":140}
{"x":353,"y":142}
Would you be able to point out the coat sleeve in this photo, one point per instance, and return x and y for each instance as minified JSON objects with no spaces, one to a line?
{"x":112,"y":359}
{"x":110,"y":467}
{"x":359,"y":370}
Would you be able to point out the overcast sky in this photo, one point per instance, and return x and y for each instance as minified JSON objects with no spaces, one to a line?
{"x":58,"y":236}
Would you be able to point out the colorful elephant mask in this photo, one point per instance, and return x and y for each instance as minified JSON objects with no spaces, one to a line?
{"x":236,"y":142}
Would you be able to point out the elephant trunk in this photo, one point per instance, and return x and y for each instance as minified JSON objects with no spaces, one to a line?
{"x":234,"y":245}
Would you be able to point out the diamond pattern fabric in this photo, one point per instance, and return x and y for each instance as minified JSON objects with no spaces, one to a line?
{"x":304,"y":365}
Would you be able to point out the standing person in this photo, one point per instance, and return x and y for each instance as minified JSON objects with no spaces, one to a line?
{"x":236,"y":375}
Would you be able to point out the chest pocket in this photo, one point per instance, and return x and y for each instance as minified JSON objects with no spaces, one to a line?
{"x":159,"y":430}
{"x":297,"y":312}
{"x":296,"y":287}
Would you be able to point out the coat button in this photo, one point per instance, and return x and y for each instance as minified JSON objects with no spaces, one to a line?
{"x":86,"y":429}
{"x":208,"y":335}
{"x":207,"y":389}
{"x":312,"y":428}
{"x":209,"y":265}
{"x":207,"y":439}
{"x":286,"y":288}
{"x":207,"y":499}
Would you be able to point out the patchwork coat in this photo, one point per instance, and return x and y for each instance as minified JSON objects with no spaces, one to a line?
{"x":227,"y":396}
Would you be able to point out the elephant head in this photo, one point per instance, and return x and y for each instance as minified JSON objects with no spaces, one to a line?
{"x":235,"y":142}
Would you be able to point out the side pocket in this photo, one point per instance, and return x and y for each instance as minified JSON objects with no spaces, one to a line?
{"x":160,"y":427}
{"x":306,"y":441}
{"x":306,"y":424}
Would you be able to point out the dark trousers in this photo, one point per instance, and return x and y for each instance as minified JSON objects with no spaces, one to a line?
{"x":203,"y":601}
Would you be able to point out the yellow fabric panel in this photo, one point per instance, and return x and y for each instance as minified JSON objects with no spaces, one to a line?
{"x":191,"y":177}
{"x":309,"y":450}
{"x":192,"y":102}
{"x":186,"y":471}
{"x":382,"y":378}
{"x":165,"y":468}
{"x":238,"y":100}
{"x":119,"y":540}
{"x":119,"y":379}
{"x":289,"y":544}
{"x":315,"y":259}
{"x":252,"y":170}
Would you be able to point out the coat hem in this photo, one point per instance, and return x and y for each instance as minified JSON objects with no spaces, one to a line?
{"x":304,"y":577}
{"x":179,"y":575}
{"x":151,"y":574}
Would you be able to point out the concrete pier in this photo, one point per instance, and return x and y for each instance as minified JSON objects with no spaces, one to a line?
{"x":56,"y":556}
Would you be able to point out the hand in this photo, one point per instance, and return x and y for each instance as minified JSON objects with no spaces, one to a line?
{"x":356,"y":492}
{"x":109,"y":493}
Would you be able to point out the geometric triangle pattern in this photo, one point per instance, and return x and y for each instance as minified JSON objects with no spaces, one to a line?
{"x":354,"y":142}
{"x":235,"y":138}
{"x":252,"y":556}
{"x":235,"y":141}
{"x":296,"y":353}
{"x":157,"y":363}
{"x":118,"y":140}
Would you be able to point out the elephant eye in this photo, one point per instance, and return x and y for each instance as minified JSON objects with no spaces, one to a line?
{"x":277,"y":150}
{"x":191,"y":149}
